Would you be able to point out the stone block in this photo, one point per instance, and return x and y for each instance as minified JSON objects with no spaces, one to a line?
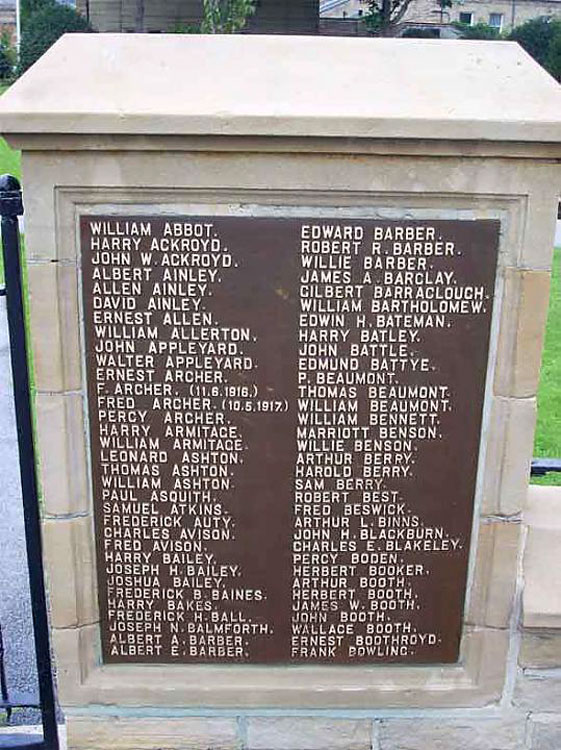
{"x":68,"y":662}
{"x":539,"y":232}
{"x":69,"y":554}
{"x":53,"y":296}
{"x":61,"y":453}
{"x":353,"y":175}
{"x":545,"y":734}
{"x":240,"y":105}
{"x":540,"y":649}
{"x":509,"y":454}
{"x":453,"y":734}
{"x":538,"y":690}
{"x":308,"y":734}
{"x":543,"y":507}
{"x":523,"y":317}
{"x":542,"y":589}
{"x":39,"y":202}
{"x":517,"y":455}
{"x":487,"y":670}
{"x":495,"y":435}
{"x":77,"y":654}
{"x":494,"y":582}
{"x":542,"y":578}
{"x":163,"y":733}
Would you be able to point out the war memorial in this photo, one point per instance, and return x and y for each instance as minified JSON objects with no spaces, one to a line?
{"x":287,"y":301}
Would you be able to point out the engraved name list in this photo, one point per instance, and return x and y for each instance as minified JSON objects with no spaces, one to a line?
{"x":284,"y":418}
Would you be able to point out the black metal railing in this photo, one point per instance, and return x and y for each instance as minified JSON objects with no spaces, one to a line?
{"x":11,"y":699}
{"x":542,"y":466}
{"x":11,"y":207}
{"x":4,"y":696}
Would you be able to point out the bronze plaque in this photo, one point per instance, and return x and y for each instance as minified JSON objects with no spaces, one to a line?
{"x":284,"y":418}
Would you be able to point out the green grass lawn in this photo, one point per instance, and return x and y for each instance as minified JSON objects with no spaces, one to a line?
{"x":10,"y":160}
{"x":548,"y":431}
{"x":10,"y":163}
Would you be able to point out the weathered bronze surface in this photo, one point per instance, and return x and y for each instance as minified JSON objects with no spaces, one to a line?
{"x":284,"y":418}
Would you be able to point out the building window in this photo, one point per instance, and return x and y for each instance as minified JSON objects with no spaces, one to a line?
{"x":496,"y":20}
{"x":466,"y":18}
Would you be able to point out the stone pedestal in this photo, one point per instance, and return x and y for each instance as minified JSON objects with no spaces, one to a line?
{"x":377,"y":130}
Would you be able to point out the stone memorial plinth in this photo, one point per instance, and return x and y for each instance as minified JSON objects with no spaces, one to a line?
{"x":287,"y":306}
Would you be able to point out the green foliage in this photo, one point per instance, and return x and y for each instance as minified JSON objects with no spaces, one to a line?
{"x":8,"y":56}
{"x":6,"y":65}
{"x":29,"y":7}
{"x":420,"y":33}
{"x":10,"y":160}
{"x":44,"y":28}
{"x":477,"y":31}
{"x":383,"y":15}
{"x":184,"y":28}
{"x":553,"y":59}
{"x":225,"y":16}
{"x":373,"y":22}
{"x":536,"y":36}
{"x":541,"y":38}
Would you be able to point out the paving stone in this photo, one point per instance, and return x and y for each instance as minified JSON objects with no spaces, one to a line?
{"x":546,"y":735}
{"x":538,"y":691}
{"x":542,"y":580}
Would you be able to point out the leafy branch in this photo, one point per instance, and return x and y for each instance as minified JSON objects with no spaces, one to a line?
{"x":384,"y":15}
{"x":226,"y":16}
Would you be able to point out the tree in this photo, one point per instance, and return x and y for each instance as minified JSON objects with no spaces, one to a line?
{"x":29,"y":7}
{"x":43,"y":29}
{"x":139,"y":16}
{"x":225,"y":16}
{"x":384,"y":15}
{"x":553,"y":60}
{"x":442,"y":5}
{"x":536,"y":36}
{"x":477,"y":31}
{"x":417,"y":32}
{"x":8,"y":55}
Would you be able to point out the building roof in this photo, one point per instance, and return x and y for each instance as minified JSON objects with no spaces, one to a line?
{"x":285,"y":86}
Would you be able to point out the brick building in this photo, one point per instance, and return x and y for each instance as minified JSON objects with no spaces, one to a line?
{"x":8,"y":16}
{"x":503,"y":14}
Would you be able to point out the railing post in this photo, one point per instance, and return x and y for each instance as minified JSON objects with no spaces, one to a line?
{"x":3,"y":682}
{"x":11,"y":207}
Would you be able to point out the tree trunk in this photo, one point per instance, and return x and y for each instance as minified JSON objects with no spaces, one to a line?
{"x":386,"y":17}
